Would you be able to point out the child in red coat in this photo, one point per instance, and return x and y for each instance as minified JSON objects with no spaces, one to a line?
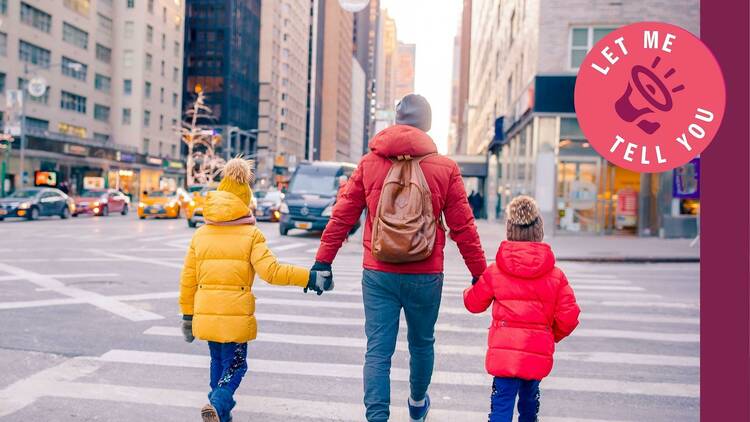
{"x":534,"y":308}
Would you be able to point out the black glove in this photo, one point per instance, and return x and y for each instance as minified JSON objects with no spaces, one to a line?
{"x":320,"y":281}
{"x":319,"y":266}
{"x":474,"y":280}
{"x":187,"y":328}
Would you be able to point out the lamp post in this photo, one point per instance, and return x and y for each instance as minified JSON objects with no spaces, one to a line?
{"x":36,"y":88}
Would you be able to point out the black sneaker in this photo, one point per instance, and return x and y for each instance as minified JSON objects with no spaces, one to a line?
{"x":419,"y":413}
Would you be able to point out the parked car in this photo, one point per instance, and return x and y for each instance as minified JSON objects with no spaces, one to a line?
{"x":308,"y":203}
{"x":269,"y":205}
{"x":159,"y":204}
{"x":101,"y":202}
{"x":32,"y":203}
{"x":194,"y":209}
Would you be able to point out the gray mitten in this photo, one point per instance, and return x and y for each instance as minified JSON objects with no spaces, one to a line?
{"x":320,"y":281}
{"x":187,"y":330}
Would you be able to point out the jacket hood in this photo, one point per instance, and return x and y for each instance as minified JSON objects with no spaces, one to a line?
{"x":402,"y":140}
{"x":525,"y":259}
{"x":224,"y":206}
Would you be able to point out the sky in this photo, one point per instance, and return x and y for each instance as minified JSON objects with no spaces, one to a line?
{"x":432,"y":29}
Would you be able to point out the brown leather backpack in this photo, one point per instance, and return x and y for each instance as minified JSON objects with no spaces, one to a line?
{"x":404,"y":226}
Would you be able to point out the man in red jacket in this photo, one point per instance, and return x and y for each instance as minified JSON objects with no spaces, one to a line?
{"x":416,"y":287}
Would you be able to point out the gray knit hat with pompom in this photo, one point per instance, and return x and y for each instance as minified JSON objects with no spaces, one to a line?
{"x":523,"y":223}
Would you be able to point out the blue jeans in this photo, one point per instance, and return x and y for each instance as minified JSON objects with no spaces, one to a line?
{"x":384,"y":294}
{"x":228,"y":366}
{"x":504,"y":392}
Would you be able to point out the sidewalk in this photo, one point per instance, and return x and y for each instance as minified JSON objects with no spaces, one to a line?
{"x":595,"y":248}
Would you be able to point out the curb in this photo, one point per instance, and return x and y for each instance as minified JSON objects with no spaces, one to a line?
{"x":632,"y":259}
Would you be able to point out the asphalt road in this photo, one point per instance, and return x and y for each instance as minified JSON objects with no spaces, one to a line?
{"x":89,"y":333}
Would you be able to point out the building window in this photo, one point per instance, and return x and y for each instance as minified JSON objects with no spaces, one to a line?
{"x":101,"y":137}
{"x":174,"y":123}
{"x":127,"y":86}
{"x":103,"y":54}
{"x":177,"y":23}
{"x":146,"y":145}
{"x":161,"y":95}
{"x":37,"y":18}
{"x":75,"y":36}
{"x":36,"y":125}
{"x":149,"y":61}
{"x":151,"y":6}
{"x":73,"y":68}
{"x":72,"y":102}
{"x":101,"y":112}
{"x":69,"y":129}
{"x":146,"y":118}
{"x":102,"y":83}
{"x":126,"y":116}
{"x":161,"y":122}
{"x":79,"y":6}
{"x":173,"y":149}
{"x":164,"y":14}
{"x":128,"y":30}
{"x":3,"y":44}
{"x":43,"y":99}
{"x":163,"y":41}
{"x":127,"y":58}
{"x":2,"y":83}
{"x":32,"y":54}
{"x":162,"y":68}
{"x":131,"y":4}
{"x":174,"y":100}
{"x":581,"y":41}
{"x":149,"y":34}
{"x":4,"y":7}
{"x":147,"y":90}
{"x":175,"y":74}
{"x":161,"y":149}
{"x":104,"y":24}
{"x":176,"y":49}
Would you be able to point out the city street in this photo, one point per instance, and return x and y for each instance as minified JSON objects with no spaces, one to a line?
{"x":90,"y":332}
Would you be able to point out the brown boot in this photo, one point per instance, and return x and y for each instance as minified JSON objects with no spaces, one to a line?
{"x":208,"y":413}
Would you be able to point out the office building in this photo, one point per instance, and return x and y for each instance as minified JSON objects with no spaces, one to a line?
{"x":406,"y":62}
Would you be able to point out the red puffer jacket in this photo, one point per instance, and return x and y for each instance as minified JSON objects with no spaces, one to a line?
{"x":534,"y":308}
{"x":362,"y":191}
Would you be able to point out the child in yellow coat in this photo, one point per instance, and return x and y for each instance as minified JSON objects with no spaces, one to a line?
{"x":216,"y":297}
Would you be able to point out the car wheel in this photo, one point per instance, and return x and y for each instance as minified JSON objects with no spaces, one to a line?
{"x":75,"y":215}
{"x":142,"y":217}
{"x":65,"y":213}
{"x":191,"y":223}
{"x":105,"y":211}
{"x":33,"y":214}
{"x":124,"y":210}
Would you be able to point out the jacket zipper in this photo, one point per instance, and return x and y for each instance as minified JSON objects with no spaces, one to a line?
{"x":222,"y":287}
{"x":531,"y":326}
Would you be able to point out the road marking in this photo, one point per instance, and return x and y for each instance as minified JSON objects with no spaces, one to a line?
{"x":100,"y":301}
{"x":166,"y":238}
{"x":672,"y":305}
{"x":288,"y":246}
{"x":154,"y":261}
{"x":337,"y":370}
{"x":446,"y":349}
{"x":63,"y":276}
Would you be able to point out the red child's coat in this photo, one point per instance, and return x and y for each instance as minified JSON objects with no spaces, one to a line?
{"x":534,"y":308}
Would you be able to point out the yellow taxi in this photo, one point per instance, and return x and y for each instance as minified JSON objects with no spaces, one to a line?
{"x":194,"y":208}
{"x":159,"y":204}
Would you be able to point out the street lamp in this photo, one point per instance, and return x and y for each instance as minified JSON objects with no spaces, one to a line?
{"x":36,"y":87}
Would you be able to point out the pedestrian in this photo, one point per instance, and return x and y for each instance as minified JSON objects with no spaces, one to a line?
{"x":534,"y":308}
{"x":216,"y":297}
{"x":403,"y":264}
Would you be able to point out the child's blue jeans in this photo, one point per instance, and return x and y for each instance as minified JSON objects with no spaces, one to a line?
{"x":228,"y":366}
{"x":504,"y":392}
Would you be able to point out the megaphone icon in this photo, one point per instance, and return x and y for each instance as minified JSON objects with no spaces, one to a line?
{"x":651,"y":90}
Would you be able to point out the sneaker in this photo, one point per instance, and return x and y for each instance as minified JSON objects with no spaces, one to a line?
{"x":208,"y":413}
{"x":419,"y":413}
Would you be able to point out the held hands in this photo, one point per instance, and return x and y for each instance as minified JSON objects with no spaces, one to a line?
{"x":321,"y":278}
{"x":187,"y":328}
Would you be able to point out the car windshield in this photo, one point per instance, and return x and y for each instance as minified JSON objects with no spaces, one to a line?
{"x":268,"y":196}
{"x":157,"y":194}
{"x":196,"y":188}
{"x":26,"y":193}
{"x":314,"y":180}
{"x":93,"y":193}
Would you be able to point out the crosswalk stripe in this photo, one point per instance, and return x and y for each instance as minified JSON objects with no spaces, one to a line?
{"x":64,"y":276}
{"x":338,"y":370}
{"x":480,"y":351}
{"x":288,"y":246}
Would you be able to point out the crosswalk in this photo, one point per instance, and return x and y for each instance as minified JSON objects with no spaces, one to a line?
{"x":635,"y":356}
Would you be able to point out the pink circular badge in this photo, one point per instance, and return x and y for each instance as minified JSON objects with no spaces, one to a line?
{"x":650,"y":97}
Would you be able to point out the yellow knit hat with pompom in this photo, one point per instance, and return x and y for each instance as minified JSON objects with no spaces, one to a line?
{"x":238,"y":174}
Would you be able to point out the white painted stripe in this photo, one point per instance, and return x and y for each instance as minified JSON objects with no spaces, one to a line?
{"x":316,"y":369}
{"x":166,"y":238}
{"x":672,"y":305}
{"x":100,"y":301}
{"x":313,"y":250}
{"x":638,"y":335}
{"x":154,"y":261}
{"x":64,"y":276}
{"x":288,"y":246}
{"x":446,"y":349}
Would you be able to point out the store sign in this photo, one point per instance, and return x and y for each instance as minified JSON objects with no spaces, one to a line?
{"x":626,"y":212}
{"x":686,"y":180}
{"x":176,"y":164}
{"x":125,"y":157}
{"x":45,"y":178}
{"x":93,"y":182}
{"x":154,"y":161}
{"x":73,"y":149}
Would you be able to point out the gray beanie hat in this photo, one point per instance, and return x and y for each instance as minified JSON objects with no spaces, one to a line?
{"x":523,"y":223}
{"x":414,"y":110}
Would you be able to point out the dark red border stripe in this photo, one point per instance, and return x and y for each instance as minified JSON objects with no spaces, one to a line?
{"x":725,"y":224}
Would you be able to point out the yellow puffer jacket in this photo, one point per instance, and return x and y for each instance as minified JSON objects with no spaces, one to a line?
{"x":220,"y":266}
